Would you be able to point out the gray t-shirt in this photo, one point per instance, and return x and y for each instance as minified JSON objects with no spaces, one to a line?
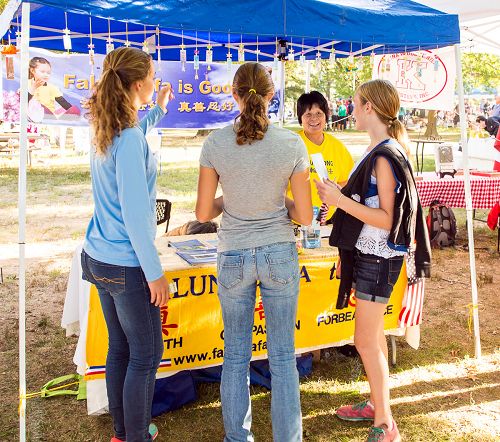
{"x":254,"y":178}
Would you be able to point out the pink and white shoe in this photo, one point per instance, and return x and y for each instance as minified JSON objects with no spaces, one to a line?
{"x":362,"y":411}
{"x":383,"y":434}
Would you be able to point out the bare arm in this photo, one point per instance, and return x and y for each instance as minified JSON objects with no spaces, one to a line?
{"x":381,"y":217}
{"x":300,"y":208}
{"x":207,"y":206}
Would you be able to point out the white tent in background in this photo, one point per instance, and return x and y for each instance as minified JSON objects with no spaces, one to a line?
{"x":479,"y":23}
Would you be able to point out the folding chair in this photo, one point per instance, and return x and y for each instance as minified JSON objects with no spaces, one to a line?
{"x":163,"y":208}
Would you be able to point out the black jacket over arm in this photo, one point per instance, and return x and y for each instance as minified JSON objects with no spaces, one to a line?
{"x":408,"y":225}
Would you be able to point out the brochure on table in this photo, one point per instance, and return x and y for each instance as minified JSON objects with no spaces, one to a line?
{"x":195,"y":251}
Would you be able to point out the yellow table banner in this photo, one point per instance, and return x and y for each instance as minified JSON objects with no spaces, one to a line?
{"x":193,"y":332}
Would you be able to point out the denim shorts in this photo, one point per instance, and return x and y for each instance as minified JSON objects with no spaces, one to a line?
{"x":374,"y":276}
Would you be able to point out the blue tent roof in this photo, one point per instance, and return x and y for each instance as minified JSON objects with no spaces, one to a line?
{"x":354,"y":25}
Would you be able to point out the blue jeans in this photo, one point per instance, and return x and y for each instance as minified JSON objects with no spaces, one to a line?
{"x":135,"y":344}
{"x":238,"y":271}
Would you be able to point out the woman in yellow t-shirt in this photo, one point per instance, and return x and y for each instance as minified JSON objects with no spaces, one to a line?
{"x":312,"y":112}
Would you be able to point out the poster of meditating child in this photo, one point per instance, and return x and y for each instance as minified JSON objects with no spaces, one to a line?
{"x":45,"y":100}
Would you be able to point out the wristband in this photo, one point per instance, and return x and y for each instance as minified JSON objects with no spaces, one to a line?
{"x":338,"y":201}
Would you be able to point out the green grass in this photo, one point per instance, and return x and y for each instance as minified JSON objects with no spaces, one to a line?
{"x":179,"y":179}
{"x":428,"y":387}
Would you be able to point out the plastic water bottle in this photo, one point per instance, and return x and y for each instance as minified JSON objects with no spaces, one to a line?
{"x":311,"y":235}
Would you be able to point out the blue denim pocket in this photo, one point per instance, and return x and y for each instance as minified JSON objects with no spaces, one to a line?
{"x":229,"y":269}
{"x":395,"y":265}
{"x":367,"y":268}
{"x":109,"y":277}
{"x":283,"y":267}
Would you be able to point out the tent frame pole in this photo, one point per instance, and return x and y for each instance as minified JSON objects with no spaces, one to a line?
{"x":23,"y":149}
{"x":468,"y":203}
{"x":282,"y":94}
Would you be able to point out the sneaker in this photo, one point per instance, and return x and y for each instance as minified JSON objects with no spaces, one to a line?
{"x":383,"y":434}
{"x":153,"y":431}
{"x":363,"y":411}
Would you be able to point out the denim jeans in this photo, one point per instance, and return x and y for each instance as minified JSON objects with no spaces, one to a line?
{"x":375,"y":276}
{"x":238,"y":271}
{"x":135,"y":345}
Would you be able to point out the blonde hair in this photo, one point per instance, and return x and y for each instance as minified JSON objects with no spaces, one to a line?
{"x":111,"y":109}
{"x":384,"y":99}
{"x":252,"y":83}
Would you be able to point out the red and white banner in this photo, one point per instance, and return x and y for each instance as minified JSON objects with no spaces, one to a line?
{"x":424,"y":79}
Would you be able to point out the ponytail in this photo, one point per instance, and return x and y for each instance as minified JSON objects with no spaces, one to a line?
{"x":252,"y":83}
{"x":110,"y":107}
{"x":397,"y":131}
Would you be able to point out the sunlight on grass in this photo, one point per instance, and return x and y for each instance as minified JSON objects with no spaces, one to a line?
{"x":178,"y":180}
{"x":442,"y":394}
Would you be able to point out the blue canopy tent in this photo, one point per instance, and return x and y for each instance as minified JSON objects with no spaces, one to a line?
{"x":310,"y":26}
{"x":263,"y":29}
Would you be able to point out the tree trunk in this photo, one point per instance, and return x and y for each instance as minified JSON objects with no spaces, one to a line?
{"x":203,"y":132}
{"x":431,"y":132}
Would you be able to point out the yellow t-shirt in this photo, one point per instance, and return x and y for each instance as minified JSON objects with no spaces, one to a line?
{"x":338,"y":162}
{"x":47,"y":95}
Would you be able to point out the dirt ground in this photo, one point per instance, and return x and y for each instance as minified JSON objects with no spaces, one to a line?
{"x":439,"y":392}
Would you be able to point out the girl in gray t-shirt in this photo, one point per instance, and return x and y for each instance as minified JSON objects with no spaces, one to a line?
{"x":254,"y":161}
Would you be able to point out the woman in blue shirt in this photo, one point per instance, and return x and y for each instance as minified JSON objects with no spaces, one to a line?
{"x":119,"y":256}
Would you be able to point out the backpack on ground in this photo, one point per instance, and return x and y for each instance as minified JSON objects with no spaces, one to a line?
{"x":442,"y":225}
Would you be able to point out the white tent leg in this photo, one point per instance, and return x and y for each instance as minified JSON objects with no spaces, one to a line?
{"x":281,"y":112}
{"x":308,"y":76}
{"x":23,"y":149}
{"x":468,"y":202}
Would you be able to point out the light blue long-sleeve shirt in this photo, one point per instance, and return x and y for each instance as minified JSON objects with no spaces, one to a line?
{"x":123,"y":228}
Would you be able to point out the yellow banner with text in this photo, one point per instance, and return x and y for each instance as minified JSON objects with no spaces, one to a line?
{"x":193,"y":331}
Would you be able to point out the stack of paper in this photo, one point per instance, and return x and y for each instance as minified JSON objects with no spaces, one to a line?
{"x":194,"y":251}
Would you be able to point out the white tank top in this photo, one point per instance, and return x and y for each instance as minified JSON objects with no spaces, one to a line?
{"x":373,"y":240}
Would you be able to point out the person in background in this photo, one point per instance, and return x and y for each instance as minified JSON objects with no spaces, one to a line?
{"x":254,"y":161}
{"x":378,"y":220}
{"x":402,"y":113}
{"x":496,"y":145}
{"x":495,"y":110}
{"x":119,"y":256}
{"x":312,"y":112}
{"x":342,"y":120}
{"x":335,"y":114}
{"x":490,"y":124}
{"x":330,"y":111}
{"x":350,"y":109}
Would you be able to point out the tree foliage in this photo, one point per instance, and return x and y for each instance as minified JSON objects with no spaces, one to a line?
{"x":333,"y":80}
{"x":481,"y":70}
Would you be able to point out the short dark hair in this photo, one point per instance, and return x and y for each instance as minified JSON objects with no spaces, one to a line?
{"x":481,"y":118}
{"x":195,"y":227}
{"x":307,"y":101}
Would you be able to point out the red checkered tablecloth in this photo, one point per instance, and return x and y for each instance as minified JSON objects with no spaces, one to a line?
{"x":485,"y":191}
